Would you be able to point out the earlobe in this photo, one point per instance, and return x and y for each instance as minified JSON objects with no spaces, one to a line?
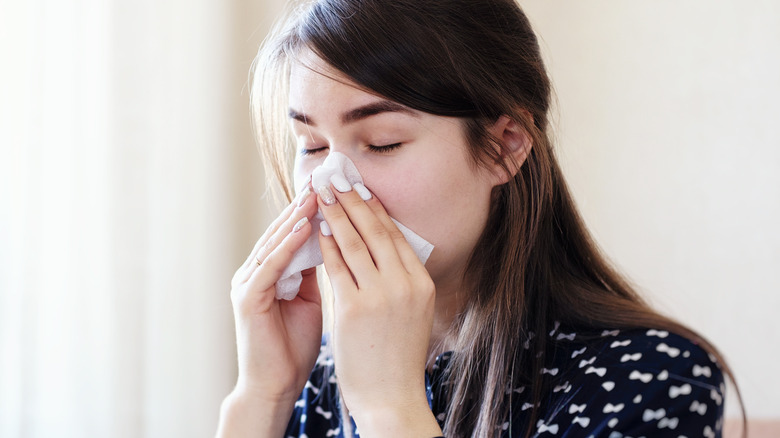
{"x":514,"y":146}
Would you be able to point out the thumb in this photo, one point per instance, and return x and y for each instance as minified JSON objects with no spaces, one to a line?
{"x":310,"y":290}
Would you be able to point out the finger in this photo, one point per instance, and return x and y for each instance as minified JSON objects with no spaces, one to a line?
{"x":268,"y":273}
{"x":405,"y":252}
{"x":340,"y":276}
{"x":265,"y":239}
{"x":306,"y":208}
{"x":372,"y":230}
{"x":353,"y":250}
{"x":309,"y":290}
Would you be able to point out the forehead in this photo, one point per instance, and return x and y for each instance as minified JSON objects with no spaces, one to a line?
{"x":314,"y":83}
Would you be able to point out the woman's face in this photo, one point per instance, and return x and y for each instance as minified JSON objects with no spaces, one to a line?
{"x":415,"y":163}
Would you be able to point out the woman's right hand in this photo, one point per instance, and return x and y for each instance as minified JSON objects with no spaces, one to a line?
{"x":278,"y":340}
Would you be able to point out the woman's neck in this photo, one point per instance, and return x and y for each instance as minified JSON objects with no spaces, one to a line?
{"x":450,"y":299}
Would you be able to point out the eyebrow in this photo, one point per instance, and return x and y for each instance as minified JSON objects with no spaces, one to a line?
{"x":359,"y":113}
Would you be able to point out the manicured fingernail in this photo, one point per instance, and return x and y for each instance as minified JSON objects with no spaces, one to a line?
{"x":340,"y":183}
{"x":362,"y":191}
{"x":326,"y":195}
{"x":304,"y":196}
{"x":325,"y":228}
{"x":300,"y":224}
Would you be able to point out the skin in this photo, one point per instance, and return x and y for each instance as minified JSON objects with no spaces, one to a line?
{"x":390,"y":310}
{"x":428,"y":183}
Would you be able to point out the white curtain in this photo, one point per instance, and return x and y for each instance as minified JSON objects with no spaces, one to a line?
{"x":131,"y":189}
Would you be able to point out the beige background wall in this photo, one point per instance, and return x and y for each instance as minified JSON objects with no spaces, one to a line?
{"x":668,"y":132}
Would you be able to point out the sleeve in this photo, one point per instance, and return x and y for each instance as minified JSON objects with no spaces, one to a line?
{"x":653,"y":385}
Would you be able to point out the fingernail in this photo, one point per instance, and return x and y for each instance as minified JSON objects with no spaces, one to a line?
{"x":326,"y":195}
{"x":300,"y":224}
{"x":325,"y":228}
{"x":362,"y":191}
{"x":304,"y":195}
{"x":340,"y":183}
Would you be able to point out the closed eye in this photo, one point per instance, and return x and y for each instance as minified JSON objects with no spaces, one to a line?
{"x":384,"y":148}
{"x":377,"y":149}
{"x":305,"y":151}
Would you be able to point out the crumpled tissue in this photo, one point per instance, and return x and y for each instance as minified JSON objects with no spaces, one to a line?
{"x":309,"y":254}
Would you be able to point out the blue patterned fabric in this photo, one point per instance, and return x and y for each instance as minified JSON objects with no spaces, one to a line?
{"x":613,"y":384}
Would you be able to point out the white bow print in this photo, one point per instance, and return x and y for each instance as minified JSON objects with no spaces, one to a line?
{"x":671,"y":423}
{"x":542,"y":428}
{"x":676,"y":391}
{"x":644,"y":377}
{"x":609,"y":408}
{"x":659,"y":333}
{"x":582,"y":421}
{"x":325,"y":414}
{"x":565,"y":336}
{"x":634,"y":357}
{"x":599,"y":371}
{"x":650,"y":415}
{"x":671,"y":351}
{"x":616,"y":344}
{"x":700,"y":408}
{"x":701,"y":371}
{"x":716,"y":396}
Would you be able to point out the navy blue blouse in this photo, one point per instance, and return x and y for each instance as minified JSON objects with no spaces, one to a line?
{"x":637,"y":383}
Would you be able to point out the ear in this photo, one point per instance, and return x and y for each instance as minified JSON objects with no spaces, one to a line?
{"x":514,"y":144}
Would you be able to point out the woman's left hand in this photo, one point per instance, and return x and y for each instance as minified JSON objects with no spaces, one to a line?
{"x":383,"y":312}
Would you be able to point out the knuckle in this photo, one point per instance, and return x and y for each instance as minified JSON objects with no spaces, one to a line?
{"x":378,"y":230}
{"x":397,"y":235}
{"x":338,"y":268}
{"x":354,"y":245}
{"x":334,"y":215}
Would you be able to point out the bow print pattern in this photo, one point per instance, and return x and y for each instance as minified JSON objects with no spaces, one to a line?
{"x":609,"y":383}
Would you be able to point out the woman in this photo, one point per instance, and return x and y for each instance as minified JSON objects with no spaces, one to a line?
{"x":516,"y":325}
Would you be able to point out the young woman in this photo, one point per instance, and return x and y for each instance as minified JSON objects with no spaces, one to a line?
{"x":516,"y":325}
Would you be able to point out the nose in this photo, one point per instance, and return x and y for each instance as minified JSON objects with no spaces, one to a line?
{"x":305,"y":168}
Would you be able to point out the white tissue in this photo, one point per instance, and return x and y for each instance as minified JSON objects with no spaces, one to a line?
{"x":309,"y":254}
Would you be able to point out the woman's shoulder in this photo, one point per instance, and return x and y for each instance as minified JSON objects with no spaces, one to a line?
{"x":634,"y":383}
{"x":643,"y":355}
{"x":649,"y":349}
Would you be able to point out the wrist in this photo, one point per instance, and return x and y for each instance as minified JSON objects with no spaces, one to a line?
{"x":244,"y":414}
{"x":398,"y":421}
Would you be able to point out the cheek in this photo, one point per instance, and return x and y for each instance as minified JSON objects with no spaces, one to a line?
{"x":417,"y":199}
{"x":446,"y":206}
{"x":397,"y":190}
{"x":302,"y":171}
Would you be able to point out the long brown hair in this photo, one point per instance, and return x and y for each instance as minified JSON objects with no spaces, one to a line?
{"x":536,"y":262}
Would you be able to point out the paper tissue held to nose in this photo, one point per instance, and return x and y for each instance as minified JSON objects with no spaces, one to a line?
{"x":309,"y":254}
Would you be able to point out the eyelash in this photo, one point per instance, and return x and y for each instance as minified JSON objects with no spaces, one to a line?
{"x":377,"y":149}
{"x":385,"y":148}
